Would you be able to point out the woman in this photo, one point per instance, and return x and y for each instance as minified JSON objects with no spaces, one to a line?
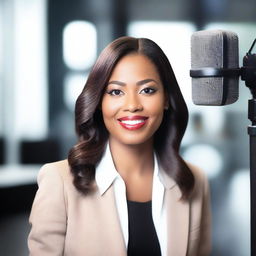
{"x":124,"y":189}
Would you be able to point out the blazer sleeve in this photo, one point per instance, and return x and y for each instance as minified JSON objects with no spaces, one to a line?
{"x":205,"y":230}
{"x":48,"y":216}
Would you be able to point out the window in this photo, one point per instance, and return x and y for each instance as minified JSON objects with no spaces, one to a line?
{"x":79,"y":45}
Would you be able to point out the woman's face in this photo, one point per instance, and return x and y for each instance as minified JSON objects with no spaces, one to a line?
{"x":134,"y":101}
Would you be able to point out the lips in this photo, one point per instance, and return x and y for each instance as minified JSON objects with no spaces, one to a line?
{"x":133,"y":122}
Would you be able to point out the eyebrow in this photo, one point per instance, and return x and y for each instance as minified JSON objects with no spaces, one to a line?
{"x":144,"y":81}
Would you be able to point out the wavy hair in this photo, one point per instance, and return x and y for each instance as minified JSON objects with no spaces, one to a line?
{"x":93,"y":135}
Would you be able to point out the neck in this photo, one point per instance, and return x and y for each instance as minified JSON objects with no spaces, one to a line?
{"x":132,"y":159}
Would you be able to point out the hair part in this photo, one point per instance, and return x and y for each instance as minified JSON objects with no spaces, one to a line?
{"x":93,"y":135}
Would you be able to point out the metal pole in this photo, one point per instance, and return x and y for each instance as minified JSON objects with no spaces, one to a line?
{"x":252,"y":134}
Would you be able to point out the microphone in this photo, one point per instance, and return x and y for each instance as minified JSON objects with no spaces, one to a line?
{"x":215,"y":76}
{"x":214,"y":67}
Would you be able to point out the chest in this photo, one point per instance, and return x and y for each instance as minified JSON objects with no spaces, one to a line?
{"x":95,"y":225}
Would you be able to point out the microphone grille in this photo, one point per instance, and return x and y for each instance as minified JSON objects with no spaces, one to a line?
{"x":215,"y":49}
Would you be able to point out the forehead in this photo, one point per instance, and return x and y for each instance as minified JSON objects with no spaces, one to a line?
{"x":135,"y":66}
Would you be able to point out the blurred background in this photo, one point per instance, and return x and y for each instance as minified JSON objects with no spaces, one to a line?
{"x":47,"y":49}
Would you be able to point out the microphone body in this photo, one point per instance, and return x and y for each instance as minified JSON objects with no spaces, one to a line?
{"x":214,"y":67}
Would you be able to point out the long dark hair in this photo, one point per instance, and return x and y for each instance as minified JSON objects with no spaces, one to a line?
{"x":93,"y":135}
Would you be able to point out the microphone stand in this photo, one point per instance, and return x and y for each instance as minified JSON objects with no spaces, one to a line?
{"x":252,"y":134}
{"x":248,"y":74}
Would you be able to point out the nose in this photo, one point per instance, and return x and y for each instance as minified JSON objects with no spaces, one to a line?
{"x":133,"y":104}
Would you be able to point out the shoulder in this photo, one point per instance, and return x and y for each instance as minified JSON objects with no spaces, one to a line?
{"x":199,"y":174}
{"x":59,"y":165}
{"x":201,"y":186}
{"x":55,"y":170}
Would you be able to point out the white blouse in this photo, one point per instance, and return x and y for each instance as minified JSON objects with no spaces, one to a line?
{"x":105,"y":177}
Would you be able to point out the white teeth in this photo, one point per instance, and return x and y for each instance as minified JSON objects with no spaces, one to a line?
{"x":132,"y":122}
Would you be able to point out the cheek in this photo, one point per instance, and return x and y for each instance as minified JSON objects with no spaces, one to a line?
{"x":159,"y":117}
{"x":156,"y":107}
{"x":157,"y":112}
{"x":109,"y":108}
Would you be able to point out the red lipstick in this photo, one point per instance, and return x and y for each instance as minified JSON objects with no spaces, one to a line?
{"x":132,"y":122}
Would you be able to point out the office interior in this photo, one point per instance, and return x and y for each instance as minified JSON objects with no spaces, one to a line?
{"x":47,"y":49}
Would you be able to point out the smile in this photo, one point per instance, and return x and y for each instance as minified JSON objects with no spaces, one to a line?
{"x":133,"y":122}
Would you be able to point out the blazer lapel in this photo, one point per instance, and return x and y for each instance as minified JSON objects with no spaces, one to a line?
{"x":177,"y":223}
{"x":177,"y":217}
{"x":108,"y":225}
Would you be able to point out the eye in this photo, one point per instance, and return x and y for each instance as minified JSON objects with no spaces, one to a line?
{"x":115,"y":92}
{"x":148,"y":90}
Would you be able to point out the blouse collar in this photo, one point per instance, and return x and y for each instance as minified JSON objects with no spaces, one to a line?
{"x":106,"y":173}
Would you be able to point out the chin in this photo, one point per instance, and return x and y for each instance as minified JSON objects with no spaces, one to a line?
{"x":134,"y":140}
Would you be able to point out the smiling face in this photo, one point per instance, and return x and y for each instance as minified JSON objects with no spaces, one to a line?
{"x":134,"y":101}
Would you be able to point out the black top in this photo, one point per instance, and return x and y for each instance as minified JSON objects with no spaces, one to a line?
{"x":142,"y":234}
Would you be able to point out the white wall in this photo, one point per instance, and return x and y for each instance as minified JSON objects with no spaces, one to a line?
{"x":24,"y":73}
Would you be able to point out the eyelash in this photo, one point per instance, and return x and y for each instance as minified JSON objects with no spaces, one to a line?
{"x":143,"y":91}
{"x":152,"y":90}
{"x":111,"y":92}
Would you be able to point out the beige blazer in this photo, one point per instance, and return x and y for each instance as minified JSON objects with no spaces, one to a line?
{"x":64,"y":222}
